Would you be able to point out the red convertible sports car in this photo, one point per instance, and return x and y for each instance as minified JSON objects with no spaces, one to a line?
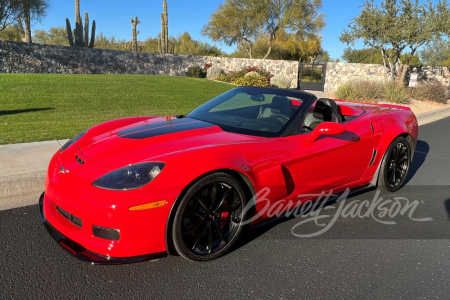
{"x":140,"y":188}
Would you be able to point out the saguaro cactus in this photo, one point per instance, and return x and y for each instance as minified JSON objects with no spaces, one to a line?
{"x":135,"y":22}
{"x":164,"y":39}
{"x":80,"y":38}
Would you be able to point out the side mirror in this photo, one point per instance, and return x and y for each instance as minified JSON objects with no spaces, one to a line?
{"x":326,"y":128}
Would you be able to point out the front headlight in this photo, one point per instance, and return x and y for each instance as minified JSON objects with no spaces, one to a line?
{"x":72,"y":141}
{"x":130,"y":177}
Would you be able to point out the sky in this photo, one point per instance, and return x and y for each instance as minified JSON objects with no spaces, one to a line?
{"x":113,"y":18}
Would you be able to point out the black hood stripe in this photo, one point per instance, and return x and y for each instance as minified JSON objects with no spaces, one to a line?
{"x":161,"y":128}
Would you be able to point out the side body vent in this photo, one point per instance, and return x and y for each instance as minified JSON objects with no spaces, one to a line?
{"x":78,"y":159}
{"x":373,"y":157}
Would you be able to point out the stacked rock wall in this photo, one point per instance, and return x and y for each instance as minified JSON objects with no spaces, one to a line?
{"x":35,"y":58}
{"x":18,"y":57}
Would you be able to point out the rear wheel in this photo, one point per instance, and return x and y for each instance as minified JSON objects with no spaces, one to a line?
{"x":395,"y":166}
{"x":209,"y":219}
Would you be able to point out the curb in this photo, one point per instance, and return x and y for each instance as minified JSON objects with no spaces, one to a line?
{"x":21,"y":190}
{"x":23,"y":170}
{"x":22,"y":184}
{"x":433,"y":115}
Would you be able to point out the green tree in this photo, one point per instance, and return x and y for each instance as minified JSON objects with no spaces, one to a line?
{"x":373,"y":56}
{"x":184,"y":44}
{"x":152,"y":45}
{"x":55,"y":36}
{"x":310,"y":48}
{"x":287,"y":47}
{"x":11,"y":33}
{"x":29,"y":10}
{"x":397,"y":25}
{"x":104,"y":42}
{"x":233,"y":23}
{"x":362,"y":56}
{"x":9,"y":11}
{"x":436,"y":53}
{"x":245,"y":22}
{"x":323,"y":57}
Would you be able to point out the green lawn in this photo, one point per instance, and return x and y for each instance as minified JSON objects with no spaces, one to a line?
{"x":39,"y":107}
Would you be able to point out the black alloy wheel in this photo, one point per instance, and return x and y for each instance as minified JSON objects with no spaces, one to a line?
{"x":209,"y":219}
{"x":395,"y":166}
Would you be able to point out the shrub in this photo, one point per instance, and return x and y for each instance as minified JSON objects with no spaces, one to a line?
{"x":369,"y":90}
{"x":252,"y":81}
{"x":196,"y":72}
{"x":365,"y":90}
{"x":346,"y":91}
{"x":252,"y":76}
{"x":431,"y":90}
{"x":396,"y":93}
{"x":252,"y":73}
{"x":361,"y":90}
{"x":230,"y":77}
{"x":260,"y":71}
{"x":281,"y":82}
{"x":213,"y":71}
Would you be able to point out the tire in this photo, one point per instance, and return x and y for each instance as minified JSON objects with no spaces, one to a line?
{"x":395,"y":166}
{"x":209,"y":218}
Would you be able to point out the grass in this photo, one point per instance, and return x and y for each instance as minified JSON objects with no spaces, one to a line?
{"x":39,"y":107}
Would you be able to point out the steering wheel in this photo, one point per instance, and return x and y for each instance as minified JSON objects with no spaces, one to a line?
{"x":280,"y":117}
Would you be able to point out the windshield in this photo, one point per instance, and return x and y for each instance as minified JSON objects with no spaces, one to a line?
{"x":250,"y":110}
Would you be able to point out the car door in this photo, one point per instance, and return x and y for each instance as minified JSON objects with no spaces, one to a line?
{"x":330,"y":163}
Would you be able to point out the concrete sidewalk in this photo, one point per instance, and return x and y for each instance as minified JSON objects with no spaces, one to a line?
{"x":23,"y":166}
{"x":22,"y":172}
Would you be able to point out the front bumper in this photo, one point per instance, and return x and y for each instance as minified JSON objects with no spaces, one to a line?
{"x":85,"y":255}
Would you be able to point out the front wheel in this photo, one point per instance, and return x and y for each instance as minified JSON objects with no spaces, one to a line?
{"x":209,"y":219}
{"x":395,"y":165}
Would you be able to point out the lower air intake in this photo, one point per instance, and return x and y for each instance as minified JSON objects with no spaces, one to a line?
{"x":72,"y":218}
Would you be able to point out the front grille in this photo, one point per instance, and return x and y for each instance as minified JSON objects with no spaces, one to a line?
{"x":72,"y":218}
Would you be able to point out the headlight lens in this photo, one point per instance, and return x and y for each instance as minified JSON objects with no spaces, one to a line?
{"x":72,"y":141}
{"x":130,"y":177}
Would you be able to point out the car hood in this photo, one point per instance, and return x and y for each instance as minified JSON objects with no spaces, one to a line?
{"x":152,"y":139}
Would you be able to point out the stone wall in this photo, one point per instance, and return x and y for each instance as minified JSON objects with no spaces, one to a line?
{"x":425,"y":73}
{"x":339,"y":73}
{"x":24,"y":58}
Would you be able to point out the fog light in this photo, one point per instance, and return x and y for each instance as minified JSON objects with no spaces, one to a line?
{"x":106,"y":233}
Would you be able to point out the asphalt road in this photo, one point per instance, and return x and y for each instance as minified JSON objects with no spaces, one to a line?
{"x":357,"y":257}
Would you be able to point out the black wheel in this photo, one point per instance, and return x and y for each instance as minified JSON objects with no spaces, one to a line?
{"x":395,"y":166}
{"x":209,"y":219}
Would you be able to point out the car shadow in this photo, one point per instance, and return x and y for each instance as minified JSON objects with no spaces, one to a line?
{"x":254,"y":232}
{"x":420,"y":155}
{"x":21,"y":111}
{"x":447,"y":207}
